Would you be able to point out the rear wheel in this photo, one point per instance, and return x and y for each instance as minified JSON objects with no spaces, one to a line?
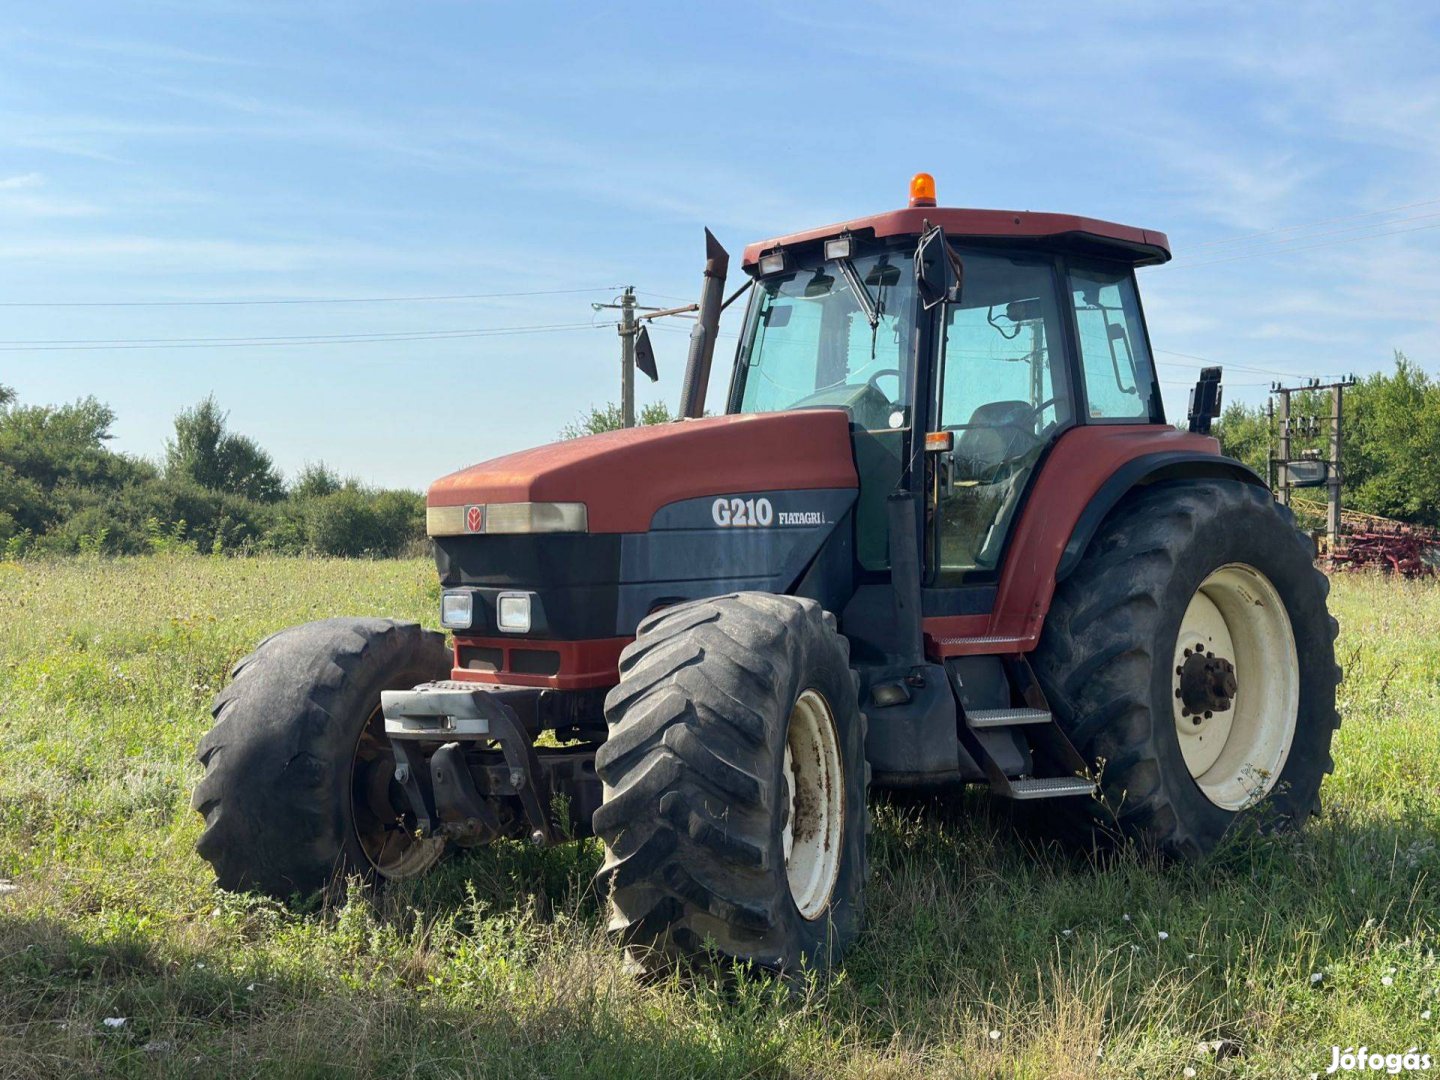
{"x":735,"y":781}
{"x":1191,"y":656}
{"x":299,"y":778}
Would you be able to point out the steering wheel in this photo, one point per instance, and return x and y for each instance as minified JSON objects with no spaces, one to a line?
{"x":1038,"y":413}
{"x":873,"y":381}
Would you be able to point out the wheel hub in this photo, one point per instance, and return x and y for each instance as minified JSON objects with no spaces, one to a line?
{"x":1207,"y":684}
{"x":1235,"y":630}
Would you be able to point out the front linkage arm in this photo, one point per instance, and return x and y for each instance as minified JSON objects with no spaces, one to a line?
{"x":442,"y":717}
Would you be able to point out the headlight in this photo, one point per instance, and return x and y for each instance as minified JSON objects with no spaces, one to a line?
{"x":457,"y":610}
{"x":512,"y":612}
{"x":523,"y":517}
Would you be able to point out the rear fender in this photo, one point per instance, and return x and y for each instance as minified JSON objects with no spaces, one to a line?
{"x":1139,"y":472}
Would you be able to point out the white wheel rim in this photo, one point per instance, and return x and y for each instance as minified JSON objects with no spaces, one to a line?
{"x":811,"y":836}
{"x":1235,"y":754}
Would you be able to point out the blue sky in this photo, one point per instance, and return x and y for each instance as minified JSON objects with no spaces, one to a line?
{"x":233,"y":150}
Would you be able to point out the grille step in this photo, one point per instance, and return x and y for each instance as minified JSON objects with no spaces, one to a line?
{"x":999,"y":718}
{"x":1051,"y":787}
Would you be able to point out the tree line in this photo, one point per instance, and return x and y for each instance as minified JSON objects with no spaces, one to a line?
{"x":1390,"y":457}
{"x":64,"y":491}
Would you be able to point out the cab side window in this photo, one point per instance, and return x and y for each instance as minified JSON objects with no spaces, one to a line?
{"x":1119,"y":374}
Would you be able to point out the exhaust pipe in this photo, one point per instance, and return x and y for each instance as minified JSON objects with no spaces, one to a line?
{"x":707,"y":325}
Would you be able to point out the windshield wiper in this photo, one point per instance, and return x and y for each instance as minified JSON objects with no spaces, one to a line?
{"x":861,"y":291}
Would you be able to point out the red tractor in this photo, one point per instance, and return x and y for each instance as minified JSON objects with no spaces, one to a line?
{"x":941,"y":534}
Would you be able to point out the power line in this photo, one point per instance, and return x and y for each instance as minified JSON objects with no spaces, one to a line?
{"x":667,"y":296}
{"x":1281,"y":245}
{"x":283,"y":338}
{"x":1278,"y":250}
{"x":86,"y":345}
{"x":1233,"y":367}
{"x":296,"y":300}
{"x":1312,"y":224}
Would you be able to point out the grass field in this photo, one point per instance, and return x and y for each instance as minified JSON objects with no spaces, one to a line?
{"x":981,"y":957}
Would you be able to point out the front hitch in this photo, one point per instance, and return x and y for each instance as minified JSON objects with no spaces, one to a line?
{"x":439,"y":720}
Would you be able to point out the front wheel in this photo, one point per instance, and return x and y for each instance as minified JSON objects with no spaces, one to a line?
{"x":299,"y":780}
{"x":1192,"y":657}
{"x":735,"y":783}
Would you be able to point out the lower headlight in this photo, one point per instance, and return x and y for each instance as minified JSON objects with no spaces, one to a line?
{"x":457,"y":610}
{"x":512,"y":612}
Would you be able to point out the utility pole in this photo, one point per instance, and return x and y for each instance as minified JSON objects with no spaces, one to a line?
{"x":1270,"y":443}
{"x":1282,"y":474}
{"x":1305,"y":473}
{"x":627,"y":357}
{"x":632,"y":333}
{"x":1332,"y":517}
{"x":627,"y":331}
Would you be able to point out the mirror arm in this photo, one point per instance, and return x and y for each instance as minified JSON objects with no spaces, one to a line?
{"x":738,"y":293}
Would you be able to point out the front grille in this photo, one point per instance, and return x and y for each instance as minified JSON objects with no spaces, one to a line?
{"x":480,"y":658}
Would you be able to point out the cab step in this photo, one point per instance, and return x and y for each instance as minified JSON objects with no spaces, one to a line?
{"x":1030,"y":720}
{"x":1001,"y":718}
{"x":1050,"y":787}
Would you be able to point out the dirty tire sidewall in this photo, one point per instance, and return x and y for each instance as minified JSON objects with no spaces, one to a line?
{"x":277,"y":792}
{"x":693,"y":774}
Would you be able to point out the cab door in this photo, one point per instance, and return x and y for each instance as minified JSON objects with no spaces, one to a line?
{"x":1003,"y":390}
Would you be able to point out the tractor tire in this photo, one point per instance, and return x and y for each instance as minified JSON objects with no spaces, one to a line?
{"x":735,"y":778}
{"x":1190,"y":656}
{"x":299,"y":778}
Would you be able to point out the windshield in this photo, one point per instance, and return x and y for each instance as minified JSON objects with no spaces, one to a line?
{"x":810,"y":342}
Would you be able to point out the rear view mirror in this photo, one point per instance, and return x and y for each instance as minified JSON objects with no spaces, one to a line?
{"x":820,"y":285}
{"x":778,"y":316}
{"x":883,"y":275}
{"x":938,"y":273}
{"x":1024,"y":311}
{"x":645,"y":354}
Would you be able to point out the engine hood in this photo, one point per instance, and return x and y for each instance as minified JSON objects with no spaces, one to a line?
{"x":624,"y":477}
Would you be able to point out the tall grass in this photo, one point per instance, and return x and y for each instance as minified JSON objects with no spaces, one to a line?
{"x":982,"y":956}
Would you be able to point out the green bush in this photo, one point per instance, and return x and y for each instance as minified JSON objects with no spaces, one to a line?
{"x":356,"y":522}
{"x":64,"y":491}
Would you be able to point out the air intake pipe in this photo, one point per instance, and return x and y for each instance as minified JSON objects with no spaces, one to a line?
{"x":905,"y":577}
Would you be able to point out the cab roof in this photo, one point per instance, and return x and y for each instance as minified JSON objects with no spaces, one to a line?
{"x":1067,"y":232}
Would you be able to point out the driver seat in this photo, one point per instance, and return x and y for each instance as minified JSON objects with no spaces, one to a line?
{"x":996,"y":449}
{"x":998,"y":432}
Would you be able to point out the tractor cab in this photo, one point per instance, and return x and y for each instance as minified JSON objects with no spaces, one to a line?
{"x":1038,"y":328}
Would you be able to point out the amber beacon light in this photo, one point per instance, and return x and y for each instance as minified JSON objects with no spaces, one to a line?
{"x":922,"y":189}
